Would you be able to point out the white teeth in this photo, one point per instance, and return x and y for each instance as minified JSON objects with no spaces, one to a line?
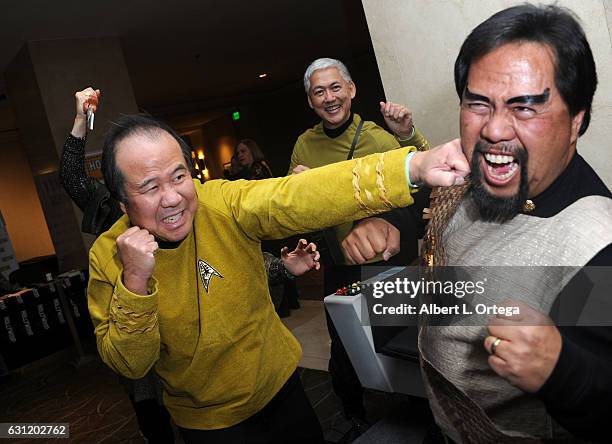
{"x":172,"y":219}
{"x":498,"y":159}
{"x":504,"y":176}
{"x":332,"y":108}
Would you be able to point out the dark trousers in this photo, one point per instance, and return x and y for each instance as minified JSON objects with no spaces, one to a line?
{"x":287,"y":418}
{"x":153,"y":421}
{"x":344,"y":379}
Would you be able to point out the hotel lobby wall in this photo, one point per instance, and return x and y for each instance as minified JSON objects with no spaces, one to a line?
{"x":19,"y":201}
{"x":41,"y":81}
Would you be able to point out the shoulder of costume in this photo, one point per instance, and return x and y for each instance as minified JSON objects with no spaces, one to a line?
{"x":594,"y":212}
{"x":217,"y":194}
{"x":105,"y":246}
{"x":317,"y":129}
{"x":369,"y":125}
{"x":381,"y":136}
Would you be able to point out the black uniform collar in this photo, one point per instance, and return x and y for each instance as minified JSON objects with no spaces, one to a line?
{"x":576,"y":181}
{"x":333,"y":133}
{"x":167,"y":245}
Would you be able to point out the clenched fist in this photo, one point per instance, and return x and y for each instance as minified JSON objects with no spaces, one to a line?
{"x":84,"y":99}
{"x":398,"y":118}
{"x":442,"y":166}
{"x":370,"y":237}
{"x":527,"y":347}
{"x":136,"y":250}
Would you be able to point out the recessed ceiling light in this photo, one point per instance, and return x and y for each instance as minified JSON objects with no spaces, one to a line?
{"x":263,"y":75}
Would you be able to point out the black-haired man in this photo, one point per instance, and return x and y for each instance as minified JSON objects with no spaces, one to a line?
{"x":526,"y":79}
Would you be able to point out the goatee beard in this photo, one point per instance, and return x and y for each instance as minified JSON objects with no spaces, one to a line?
{"x":493,"y":208}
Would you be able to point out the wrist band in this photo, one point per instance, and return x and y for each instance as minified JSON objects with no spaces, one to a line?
{"x":287,"y":273}
{"x":408,"y":157}
{"x":412,"y":133}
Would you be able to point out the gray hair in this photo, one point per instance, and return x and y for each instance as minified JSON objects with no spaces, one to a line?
{"x":325,"y":63}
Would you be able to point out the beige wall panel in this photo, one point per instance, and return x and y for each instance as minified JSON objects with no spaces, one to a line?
{"x":25,"y":221}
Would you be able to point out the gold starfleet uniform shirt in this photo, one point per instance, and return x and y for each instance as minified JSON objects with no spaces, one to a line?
{"x":314,"y":148}
{"x":208,"y":324}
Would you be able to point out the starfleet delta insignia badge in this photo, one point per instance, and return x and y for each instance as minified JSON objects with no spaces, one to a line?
{"x":206,"y":273}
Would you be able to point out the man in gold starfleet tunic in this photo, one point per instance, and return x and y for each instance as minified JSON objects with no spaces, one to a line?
{"x":179,"y":283}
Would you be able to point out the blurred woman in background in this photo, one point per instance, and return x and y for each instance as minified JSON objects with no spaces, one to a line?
{"x":252,"y":160}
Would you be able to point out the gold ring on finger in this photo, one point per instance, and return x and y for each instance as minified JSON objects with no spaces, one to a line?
{"x":494,"y":345}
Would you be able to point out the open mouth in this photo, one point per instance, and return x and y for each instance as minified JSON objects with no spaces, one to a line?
{"x":332,"y":108}
{"x":173,"y":219}
{"x":500,"y":169}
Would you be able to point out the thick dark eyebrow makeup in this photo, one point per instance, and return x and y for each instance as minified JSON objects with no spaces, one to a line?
{"x":469,"y":95}
{"x":537,"y":99}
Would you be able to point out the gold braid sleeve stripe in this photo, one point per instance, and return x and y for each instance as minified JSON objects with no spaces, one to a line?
{"x":380,"y":181}
{"x":357,"y":188}
{"x":130,"y":321}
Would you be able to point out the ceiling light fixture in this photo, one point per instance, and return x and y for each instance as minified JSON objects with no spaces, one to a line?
{"x":263,"y":75}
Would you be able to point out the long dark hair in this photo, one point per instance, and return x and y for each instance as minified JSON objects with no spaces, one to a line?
{"x":256,"y":152}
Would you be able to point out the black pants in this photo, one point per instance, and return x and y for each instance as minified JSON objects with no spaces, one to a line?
{"x":154,"y":421}
{"x":344,"y":379}
{"x":287,"y":418}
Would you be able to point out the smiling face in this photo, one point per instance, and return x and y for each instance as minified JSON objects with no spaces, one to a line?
{"x":160,"y":194}
{"x":511,"y":108}
{"x":330,"y":96}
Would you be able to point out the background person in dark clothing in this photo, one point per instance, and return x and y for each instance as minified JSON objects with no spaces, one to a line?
{"x":235,"y":171}
{"x":252,"y":160}
{"x":100,"y":211}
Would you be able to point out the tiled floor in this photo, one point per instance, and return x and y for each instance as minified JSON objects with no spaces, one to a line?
{"x":309,"y":327}
{"x":96,"y":406}
{"x":89,"y":398}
